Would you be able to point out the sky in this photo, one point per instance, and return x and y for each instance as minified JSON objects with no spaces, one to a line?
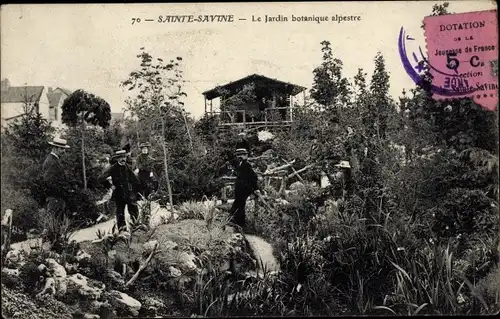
{"x":94,"y":47}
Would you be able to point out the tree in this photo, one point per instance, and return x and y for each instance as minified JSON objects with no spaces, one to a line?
{"x":330,"y":89}
{"x":82,"y":107}
{"x":24,"y":145}
{"x":157,"y":89}
{"x":379,"y":109}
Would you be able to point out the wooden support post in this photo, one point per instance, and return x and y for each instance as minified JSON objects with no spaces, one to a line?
{"x":211,"y":106}
{"x":206,"y":106}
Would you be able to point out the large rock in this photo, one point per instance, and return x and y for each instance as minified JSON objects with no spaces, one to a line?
{"x":85,"y":287}
{"x":115,"y":278}
{"x":14,"y":259}
{"x":125,"y":302}
{"x":160,"y":215}
{"x":187,"y":260}
{"x":10,"y":272}
{"x":82,"y":256}
{"x":174,"y":272}
{"x":59,"y":274}
{"x":297,"y":186}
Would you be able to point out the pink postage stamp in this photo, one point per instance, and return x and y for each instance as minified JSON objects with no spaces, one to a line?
{"x":463,"y":55}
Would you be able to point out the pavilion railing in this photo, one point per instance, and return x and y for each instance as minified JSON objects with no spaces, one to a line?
{"x":270,"y":116}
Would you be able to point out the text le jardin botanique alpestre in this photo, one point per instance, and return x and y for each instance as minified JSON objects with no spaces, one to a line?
{"x":265,"y":18}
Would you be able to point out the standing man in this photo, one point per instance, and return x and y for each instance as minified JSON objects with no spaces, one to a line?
{"x":144,"y":164}
{"x":125,"y":187}
{"x":54,"y":180}
{"x":245,"y":185}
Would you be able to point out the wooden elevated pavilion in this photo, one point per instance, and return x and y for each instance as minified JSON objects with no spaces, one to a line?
{"x":253,"y":101}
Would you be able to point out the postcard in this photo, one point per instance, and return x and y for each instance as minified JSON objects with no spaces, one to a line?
{"x":249,"y":159}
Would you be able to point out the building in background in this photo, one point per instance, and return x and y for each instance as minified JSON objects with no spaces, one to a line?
{"x":253,"y":101}
{"x":19,"y":100}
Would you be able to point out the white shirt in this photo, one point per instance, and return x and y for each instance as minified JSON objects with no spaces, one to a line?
{"x":54,"y":154}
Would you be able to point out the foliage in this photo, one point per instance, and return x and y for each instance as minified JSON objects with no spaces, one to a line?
{"x":84,"y":105}
{"x":156,"y":103}
{"x":28,"y":137}
{"x":329,"y":88}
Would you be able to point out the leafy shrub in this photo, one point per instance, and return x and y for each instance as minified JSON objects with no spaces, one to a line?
{"x":25,"y":214}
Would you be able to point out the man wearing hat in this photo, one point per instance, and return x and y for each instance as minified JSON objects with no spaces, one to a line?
{"x":144,"y":169}
{"x":54,"y":179}
{"x":343,"y":177}
{"x":245,"y":185}
{"x":125,"y":188}
{"x":127,"y":149}
{"x":54,"y":176}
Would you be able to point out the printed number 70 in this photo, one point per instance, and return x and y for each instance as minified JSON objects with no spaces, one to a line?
{"x":451,"y":62}
{"x":134,"y":20}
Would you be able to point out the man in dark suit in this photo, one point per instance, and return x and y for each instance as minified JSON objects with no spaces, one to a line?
{"x":144,"y":164}
{"x":125,"y":188}
{"x":245,"y":185}
{"x":54,"y":178}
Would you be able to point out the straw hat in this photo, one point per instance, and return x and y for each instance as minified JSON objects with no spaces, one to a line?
{"x":343,"y":164}
{"x":241,"y":151}
{"x":145,"y":144}
{"x":59,"y":142}
{"x":119,"y":154}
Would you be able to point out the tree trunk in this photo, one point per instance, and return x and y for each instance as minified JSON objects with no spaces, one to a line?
{"x":165,"y":164}
{"x":187,"y":129}
{"x":83,"y":155}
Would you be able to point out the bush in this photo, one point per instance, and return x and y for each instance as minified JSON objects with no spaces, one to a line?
{"x":25,"y":214}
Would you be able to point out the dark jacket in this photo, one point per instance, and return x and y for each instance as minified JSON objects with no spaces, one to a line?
{"x":246,"y":179}
{"x":123,"y":178}
{"x":54,"y":176}
{"x":144,"y":162}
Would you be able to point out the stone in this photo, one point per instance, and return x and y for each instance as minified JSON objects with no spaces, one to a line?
{"x":71,"y":268}
{"x":85,"y":287}
{"x":81,"y":256}
{"x":49,"y":287}
{"x":174,"y":272}
{"x":168,"y":244}
{"x":159,"y":215}
{"x":187,"y":260}
{"x":149,"y":246}
{"x":14,"y":259}
{"x":297,"y":186}
{"x":125,"y":302}
{"x":116,"y":278}
{"x":55,"y":268}
{"x":10,"y":272}
{"x":59,"y":274}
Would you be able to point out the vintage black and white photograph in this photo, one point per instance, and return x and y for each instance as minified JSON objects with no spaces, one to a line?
{"x":249,"y":159}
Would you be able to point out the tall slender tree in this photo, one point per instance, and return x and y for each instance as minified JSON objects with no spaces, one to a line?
{"x":156,"y":100}
{"x":329,"y":88}
{"x":82,"y":108}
